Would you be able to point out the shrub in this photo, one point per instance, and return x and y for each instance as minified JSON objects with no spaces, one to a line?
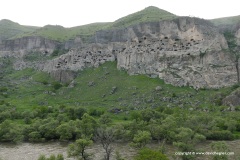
{"x":56,"y":85}
{"x":220,"y":135}
{"x":148,"y":154}
{"x":44,"y":82}
{"x":42,"y":157}
{"x":35,"y":137}
{"x":141,"y":138}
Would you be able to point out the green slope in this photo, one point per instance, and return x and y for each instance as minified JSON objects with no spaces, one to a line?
{"x":59,"y":33}
{"x":9,"y":29}
{"x":112,"y":88}
{"x":226,"y":20}
{"x":149,"y":14}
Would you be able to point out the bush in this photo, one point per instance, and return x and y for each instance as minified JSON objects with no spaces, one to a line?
{"x":220,"y":135}
{"x":45,"y":82}
{"x":105,"y":119}
{"x":10,"y":132}
{"x":42,"y":157}
{"x":148,"y":154}
{"x":35,"y":137}
{"x":56,"y":85}
{"x":52,"y":157}
{"x":60,"y":157}
{"x":58,"y":52}
{"x":95,"y":112}
{"x":141,"y":138}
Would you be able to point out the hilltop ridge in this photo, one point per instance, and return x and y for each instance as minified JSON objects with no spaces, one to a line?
{"x":59,"y":33}
{"x":9,"y":29}
{"x":233,"y":20}
{"x":13,"y":30}
{"x":149,"y":14}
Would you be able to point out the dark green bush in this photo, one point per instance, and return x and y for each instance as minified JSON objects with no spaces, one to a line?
{"x":148,"y":154}
{"x":220,"y":135}
{"x":57,"y":85}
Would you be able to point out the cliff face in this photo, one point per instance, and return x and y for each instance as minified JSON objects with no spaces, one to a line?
{"x":184,"y":51}
{"x":22,"y":46}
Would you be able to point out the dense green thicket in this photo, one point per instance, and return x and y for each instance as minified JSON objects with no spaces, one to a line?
{"x":68,"y":123}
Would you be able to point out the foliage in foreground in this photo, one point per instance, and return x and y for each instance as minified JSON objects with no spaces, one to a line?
{"x":51,"y":157}
{"x":149,"y":154}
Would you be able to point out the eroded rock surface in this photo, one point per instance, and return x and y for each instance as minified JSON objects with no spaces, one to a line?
{"x":184,"y":52}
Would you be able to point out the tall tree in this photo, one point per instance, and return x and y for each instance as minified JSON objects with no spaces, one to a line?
{"x":78,"y":149}
{"x":106,"y":136}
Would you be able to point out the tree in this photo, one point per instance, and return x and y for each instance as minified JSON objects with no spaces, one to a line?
{"x":106,"y":136}
{"x":75,"y":112}
{"x":148,"y":114}
{"x":231,"y":125}
{"x":186,"y":139}
{"x":88,"y":125}
{"x":156,"y":130}
{"x":48,"y":128}
{"x":141,"y":138}
{"x":35,"y":136}
{"x":169,"y":126}
{"x":105,"y":119}
{"x":78,"y":148}
{"x":10,"y":132}
{"x":135,"y":126}
{"x":65,"y":131}
{"x":148,"y":154}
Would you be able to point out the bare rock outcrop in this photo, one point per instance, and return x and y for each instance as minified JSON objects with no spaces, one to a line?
{"x":183,"y":52}
{"x":25,"y":44}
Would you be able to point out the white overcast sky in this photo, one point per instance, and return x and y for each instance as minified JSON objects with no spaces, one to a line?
{"x":69,"y":13}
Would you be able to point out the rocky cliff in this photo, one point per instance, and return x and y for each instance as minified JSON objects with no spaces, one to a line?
{"x":21,"y":46}
{"x":184,"y":52}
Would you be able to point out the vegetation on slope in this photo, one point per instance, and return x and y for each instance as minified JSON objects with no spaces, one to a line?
{"x":60,"y":33}
{"x":226,"y":20}
{"x":9,"y":29}
{"x":149,"y":14}
{"x":134,"y":109}
{"x":110,"y":87}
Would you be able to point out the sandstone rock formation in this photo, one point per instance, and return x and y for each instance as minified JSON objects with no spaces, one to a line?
{"x":184,"y":52}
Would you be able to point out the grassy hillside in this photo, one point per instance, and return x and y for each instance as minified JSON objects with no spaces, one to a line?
{"x":226,"y":20}
{"x":9,"y":29}
{"x":149,"y":14}
{"x":59,"y":33}
{"x":109,"y":88}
